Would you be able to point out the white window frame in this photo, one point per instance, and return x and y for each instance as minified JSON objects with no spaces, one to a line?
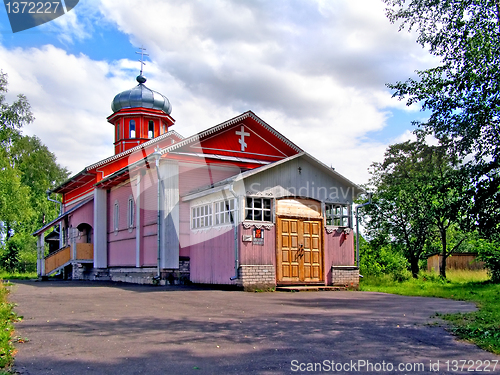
{"x":202,"y":216}
{"x":338,"y":215}
{"x":116,"y":216}
{"x":130,"y":212}
{"x":255,"y":208}
{"x":224,"y":212}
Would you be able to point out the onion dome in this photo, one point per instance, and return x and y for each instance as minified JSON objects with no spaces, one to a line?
{"x":141,"y":97}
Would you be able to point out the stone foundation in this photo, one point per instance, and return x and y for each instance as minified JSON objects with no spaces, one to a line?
{"x":346,"y":276}
{"x":257,"y":277}
{"x":144,"y":275}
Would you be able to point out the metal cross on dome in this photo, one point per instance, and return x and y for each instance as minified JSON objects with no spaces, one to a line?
{"x":243,"y":134}
{"x":142,"y":53}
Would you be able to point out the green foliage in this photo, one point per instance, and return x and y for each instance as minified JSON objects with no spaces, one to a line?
{"x":462,"y":93}
{"x":27,"y":170}
{"x":418,"y":193}
{"x":7,"y":317}
{"x":479,"y":327}
{"x":489,"y":253}
{"x":382,"y":260}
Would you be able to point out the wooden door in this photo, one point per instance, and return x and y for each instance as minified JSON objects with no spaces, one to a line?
{"x":299,"y":251}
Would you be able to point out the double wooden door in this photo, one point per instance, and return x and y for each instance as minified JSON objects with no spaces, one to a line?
{"x":299,"y":251}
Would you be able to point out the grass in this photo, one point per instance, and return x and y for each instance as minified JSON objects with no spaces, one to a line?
{"x":481,"y":327}
{"x":4,"y":275}
{"x":7,"y":318}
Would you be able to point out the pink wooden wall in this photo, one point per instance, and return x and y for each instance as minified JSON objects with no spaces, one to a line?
{"x":121,"y":243}
{"x":339,"y":251}
{"x":251,"y":254}
{"x":212,"y":257}
{"x":149,"y":219}
{"x":84,"y":214}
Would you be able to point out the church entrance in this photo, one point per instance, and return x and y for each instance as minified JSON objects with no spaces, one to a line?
{"x":299,"y":250}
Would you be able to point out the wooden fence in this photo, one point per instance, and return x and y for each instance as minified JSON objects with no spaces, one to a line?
{"x":459,"y":261}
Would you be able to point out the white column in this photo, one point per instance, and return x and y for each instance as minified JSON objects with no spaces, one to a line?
{"x":138,"y":223}
{"x":100,"y":228}
{"x":169,"y":239}
{"x":40,"y":263}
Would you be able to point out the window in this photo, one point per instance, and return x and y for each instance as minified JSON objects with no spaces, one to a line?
{"x":201,"y":216}
{"x":117,"y":131}
{"x":151,"y":129}
{"x":132,"y":128}
{"x":224,"y":212}
{"x":116,"y":216}
{"x":337,"y":215}
{"x":258,"y":209}
{"x":130,"y":213}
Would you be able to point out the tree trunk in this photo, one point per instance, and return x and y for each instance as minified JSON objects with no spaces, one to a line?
{"x":414,"y":266}
{"x":444,"y":254}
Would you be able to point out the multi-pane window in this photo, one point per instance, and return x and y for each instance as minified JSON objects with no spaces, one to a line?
{"x":201,"y":216}
{"x":130,"y":212}
{"x":131,"y":125}
{"x":151,"y":129}
{"x":224,"y":212}
{"x":337,"y":215}
{"x":258,"y":209}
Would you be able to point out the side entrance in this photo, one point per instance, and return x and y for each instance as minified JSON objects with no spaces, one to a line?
{"x":299,"y":250}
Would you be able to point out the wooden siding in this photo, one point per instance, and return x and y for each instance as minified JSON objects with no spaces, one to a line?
{"x":84,"y":251}
{"x":464,"y":261}
{"x":212,"y":257}
{"x":84,"y":214}
{"x":57,"y":259}
{"x":121,"y":243}
{"x":339,"y":251}
{"x":193,"y":176}
{"x":251,"y":254}
{"x":287,"y":180}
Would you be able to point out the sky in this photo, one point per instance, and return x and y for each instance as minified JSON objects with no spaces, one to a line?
{"x":315,"y":70}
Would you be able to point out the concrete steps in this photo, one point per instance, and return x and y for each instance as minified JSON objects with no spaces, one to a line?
{"x":308,"y":288}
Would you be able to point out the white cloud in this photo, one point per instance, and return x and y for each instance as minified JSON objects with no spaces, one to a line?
{"x":314,"y":70}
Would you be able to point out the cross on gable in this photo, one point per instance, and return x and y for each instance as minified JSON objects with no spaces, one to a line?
{"x":243,"y":134}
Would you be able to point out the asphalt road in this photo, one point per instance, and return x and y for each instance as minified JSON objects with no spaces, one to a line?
{"x":112,"y":328}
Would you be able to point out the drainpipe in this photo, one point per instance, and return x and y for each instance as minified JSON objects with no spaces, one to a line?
{"x":235,"y":217}
{"x":157,"y":156}
{"x":55,"y":201}
{"x":357,"y":226}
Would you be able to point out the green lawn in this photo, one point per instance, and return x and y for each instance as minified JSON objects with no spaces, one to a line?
{"x":481,"y":327}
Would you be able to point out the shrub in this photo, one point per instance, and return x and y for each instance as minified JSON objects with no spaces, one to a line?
{"x":489,"y":253}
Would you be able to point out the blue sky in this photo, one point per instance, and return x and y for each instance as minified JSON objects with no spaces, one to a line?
{"x":314,"y":70}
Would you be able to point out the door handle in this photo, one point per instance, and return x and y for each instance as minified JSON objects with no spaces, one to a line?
{"x":301,"y":250}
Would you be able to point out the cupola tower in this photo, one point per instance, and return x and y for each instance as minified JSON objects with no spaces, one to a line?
{"x":139,"y":114}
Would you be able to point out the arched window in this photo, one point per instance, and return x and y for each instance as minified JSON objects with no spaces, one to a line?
{"x":130,"y":212}
{"x":131,"y":126}
{"x":116,"y":217}
{"x":151,"y":129}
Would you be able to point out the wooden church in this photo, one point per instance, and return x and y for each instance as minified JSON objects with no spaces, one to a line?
{"x":236,"y":204}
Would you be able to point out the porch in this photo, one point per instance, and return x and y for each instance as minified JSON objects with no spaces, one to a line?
{"x":79,"y":253}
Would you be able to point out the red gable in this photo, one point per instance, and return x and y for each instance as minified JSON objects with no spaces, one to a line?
{"x":245,"y":136}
